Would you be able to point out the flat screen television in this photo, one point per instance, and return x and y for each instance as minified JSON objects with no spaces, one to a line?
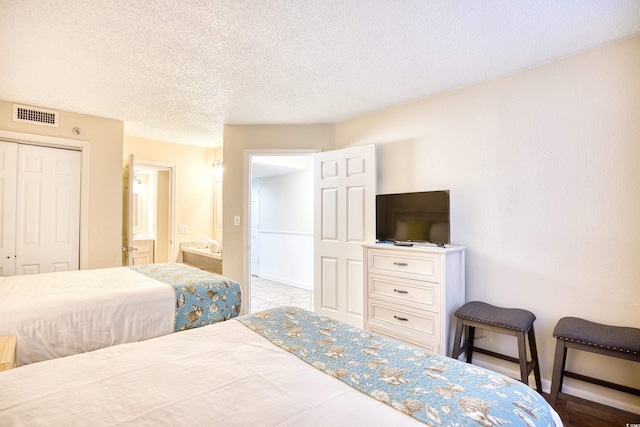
{"x":421,"y":217}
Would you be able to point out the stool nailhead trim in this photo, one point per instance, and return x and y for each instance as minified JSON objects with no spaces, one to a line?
{"x":492,"y":323}
{"x":622,"y":350}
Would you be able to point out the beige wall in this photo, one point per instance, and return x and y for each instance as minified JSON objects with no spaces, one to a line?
{"x":543,"y":172}
{"x":104,"y":137}
{"x":194,"y":181}
{"x":237,"y":141}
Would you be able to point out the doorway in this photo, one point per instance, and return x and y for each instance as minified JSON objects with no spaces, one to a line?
{"x":281,"y":215}
{"x":153,"y":209}
{"x":343,"y":203}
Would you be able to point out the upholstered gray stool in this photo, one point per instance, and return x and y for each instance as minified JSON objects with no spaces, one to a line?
{"x":580,"y":334}
{"x":510,"y":321}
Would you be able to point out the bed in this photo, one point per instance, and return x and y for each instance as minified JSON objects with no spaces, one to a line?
{"x":281,"y":367}
{"x":59,"y":314}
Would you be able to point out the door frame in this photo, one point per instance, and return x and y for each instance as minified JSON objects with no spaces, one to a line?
{"x":73,"y":144}
{"x":246,"y":246}
{"x":254,"y":270}
{"x":171,"y":167}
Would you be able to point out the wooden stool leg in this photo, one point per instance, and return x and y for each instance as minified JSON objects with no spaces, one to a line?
{"x":458,"y":338}
{"x":558,"y":371}
{"x":522,"y":356}
{"x":534,"y":359}
{"x":471,"y":334}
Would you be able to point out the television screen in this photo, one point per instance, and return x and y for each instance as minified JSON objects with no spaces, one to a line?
{"x":413,"y":217}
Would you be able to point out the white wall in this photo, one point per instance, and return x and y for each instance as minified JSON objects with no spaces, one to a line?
{"x":543,"y":171}
{"x":286,"y":203}
{"x":286,"y":229}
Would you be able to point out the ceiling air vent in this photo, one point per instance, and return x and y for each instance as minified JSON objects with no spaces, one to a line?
{"x":35,"y":116}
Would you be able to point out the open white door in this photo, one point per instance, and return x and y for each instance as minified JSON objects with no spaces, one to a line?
{"x":8,"y":180}
{"x":345,"y":189}
{"x":127,"y":209}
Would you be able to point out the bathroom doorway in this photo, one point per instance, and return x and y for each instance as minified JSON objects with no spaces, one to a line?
{"x":153,"y":209}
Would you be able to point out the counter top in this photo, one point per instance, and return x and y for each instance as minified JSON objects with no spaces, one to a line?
{"x":201,"y":251}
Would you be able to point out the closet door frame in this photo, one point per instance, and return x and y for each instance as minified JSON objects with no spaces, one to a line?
{"x":8,"y":199}
{"x":84,"y":148}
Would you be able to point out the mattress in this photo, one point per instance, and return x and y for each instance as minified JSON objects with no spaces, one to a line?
{"x":225,"y":374}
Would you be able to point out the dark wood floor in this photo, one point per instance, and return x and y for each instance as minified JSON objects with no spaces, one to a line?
{"x":586,"y":414}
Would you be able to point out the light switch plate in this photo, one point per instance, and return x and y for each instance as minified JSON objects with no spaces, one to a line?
{"x":182,"y":229}
{"x":236,"y":220}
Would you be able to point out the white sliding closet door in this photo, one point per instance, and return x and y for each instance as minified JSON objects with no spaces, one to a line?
{"x":8,"y":179}
{"x":48,"y":210}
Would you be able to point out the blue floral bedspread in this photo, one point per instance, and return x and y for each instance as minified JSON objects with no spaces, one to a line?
{"x":202,"y":298}
{"x":434,"y":389}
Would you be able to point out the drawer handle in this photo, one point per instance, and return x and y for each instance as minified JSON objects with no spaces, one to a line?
{"x":400,"y":291}
{"x":404,"y":319}
{"x":400,"y":264}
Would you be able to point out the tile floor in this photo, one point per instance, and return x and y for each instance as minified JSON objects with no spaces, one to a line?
{"x":266,"y":294}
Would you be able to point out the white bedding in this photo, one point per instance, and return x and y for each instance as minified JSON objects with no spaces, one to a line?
{"x":230,"y":376}
{"x":64,"y":313}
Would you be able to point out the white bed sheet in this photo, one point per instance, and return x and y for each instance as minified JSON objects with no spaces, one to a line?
{"x":60,"y":314}
{"x":229,"y":376}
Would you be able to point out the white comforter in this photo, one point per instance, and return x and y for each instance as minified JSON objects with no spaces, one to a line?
{"x":64,"y":313}
{"x":217,"y":375}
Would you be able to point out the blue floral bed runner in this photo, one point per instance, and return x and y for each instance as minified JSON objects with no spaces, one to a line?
{"x":434,"y":389}
{"x":202,"y":298}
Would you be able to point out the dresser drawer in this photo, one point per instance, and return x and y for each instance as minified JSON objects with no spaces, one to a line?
{"x":420,"y":265}
{"x":401,"y":291}
{"x":415,"y":322}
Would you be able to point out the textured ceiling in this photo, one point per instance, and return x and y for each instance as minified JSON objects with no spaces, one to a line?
{"x":178,"y":70}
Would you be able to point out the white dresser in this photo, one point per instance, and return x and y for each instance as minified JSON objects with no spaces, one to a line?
{"x":412,"y":293}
